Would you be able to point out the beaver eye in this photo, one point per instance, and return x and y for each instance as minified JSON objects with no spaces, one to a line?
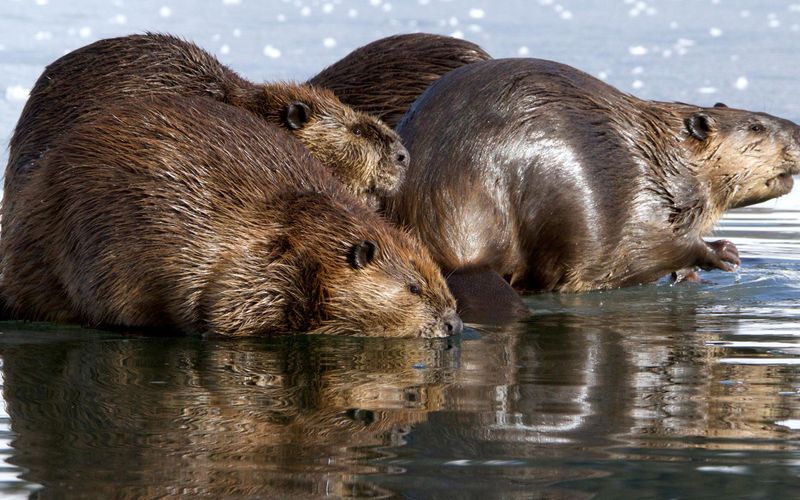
{"x":757,"y":127}
{"x":414,"y":288}
{"x":357,"y":130}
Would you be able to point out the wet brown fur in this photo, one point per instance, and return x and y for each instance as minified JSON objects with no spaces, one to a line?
{"x":561,"y":182}
{"x":190,"y":214}
{"x":360,"y":150}
{"x":384,"y":77}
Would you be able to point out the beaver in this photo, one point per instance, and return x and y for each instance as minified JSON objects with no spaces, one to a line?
{"x":190,"y":214}
{"x":560,"y":182}
{"x":384,"y":77}
{"x":360,"y":150}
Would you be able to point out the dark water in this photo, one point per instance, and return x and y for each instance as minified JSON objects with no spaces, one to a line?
{"x":654,"y":391}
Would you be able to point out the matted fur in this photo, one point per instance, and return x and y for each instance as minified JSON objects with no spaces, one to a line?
{"x":359,"y":149}
{"x":384,"y":77}
{"x":187,"y":213}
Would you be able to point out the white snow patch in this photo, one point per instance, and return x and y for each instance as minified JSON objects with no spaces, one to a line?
{"x":352,"y":13}
{"x":707,"y":90}
{"x":41,"y":2}
{"x":85,"y":32}
{"x":305,"y":11}
{"x":236,"y":33}
{"x":225,"y":49}
{"x":793,"y":424}
{"x":387,"y":7}
{"x":637,"y":84}
{"x":271,"y":52}
{"x":42,"y":35}
{"x":741,"y":83}
{"x":119,"y":19}
{"x":457,"y":34}
{"x":327,"y":8}
{"x":231,"y":2}
{"x":476,"y":13}
{"x":638,"y":70}
{"x":17,"y":93}
{"x":329,"y":42}
{"x":164,"y":11}
{"x":374,"y":3}
{"x":566,"y":15}
{"x":637,"y":50}
{"x":281,"y":18}
{"x":603,"y":75}
{"x":523,"y":51}
{"x":715,"y":32}
{"x":453,"y":21}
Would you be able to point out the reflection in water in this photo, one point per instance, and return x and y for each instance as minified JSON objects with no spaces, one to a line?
{"x":156,"y":417}
{"x":592,"y":393}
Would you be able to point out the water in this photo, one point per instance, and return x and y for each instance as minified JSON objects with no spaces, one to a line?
{"x":656,"y":391}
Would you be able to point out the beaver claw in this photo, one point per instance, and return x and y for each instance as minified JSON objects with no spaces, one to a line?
{"x":720,"y":254}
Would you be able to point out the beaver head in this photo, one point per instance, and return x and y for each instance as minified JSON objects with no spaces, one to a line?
{"x":743,"y":157}
{"x":360,"y":150}
{"x":335,"y":267}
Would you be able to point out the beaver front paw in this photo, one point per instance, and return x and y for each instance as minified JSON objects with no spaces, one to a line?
{"x":686,"y":275}
{"x":720,"y":254}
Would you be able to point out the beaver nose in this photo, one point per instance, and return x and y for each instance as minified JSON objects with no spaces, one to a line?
{"x":453,"y":324}
{"x":401,"y":155}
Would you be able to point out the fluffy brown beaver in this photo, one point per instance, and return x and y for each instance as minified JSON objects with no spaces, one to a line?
{"x":360,"y":150}
{"x":187,"y":213}
{"x":384,"y":77}
{"x":558,"y":181}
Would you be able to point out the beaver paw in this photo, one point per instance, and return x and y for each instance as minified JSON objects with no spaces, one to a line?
{"x":721,"y":254}
{"x":686,"y":275}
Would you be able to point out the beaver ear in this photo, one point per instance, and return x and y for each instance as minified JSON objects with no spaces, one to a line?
{"x":698,"y":125}
{"x":362,"y":254}
{"x":296,"y":115}
{"x":720,"y":105}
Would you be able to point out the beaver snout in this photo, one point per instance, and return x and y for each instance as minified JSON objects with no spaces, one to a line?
{"x":453,"y":324}
{"x":400,"y":155}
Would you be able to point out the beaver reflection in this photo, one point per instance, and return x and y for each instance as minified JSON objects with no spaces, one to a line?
{"x":583,"y":381}
{"x":152,"y":417}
